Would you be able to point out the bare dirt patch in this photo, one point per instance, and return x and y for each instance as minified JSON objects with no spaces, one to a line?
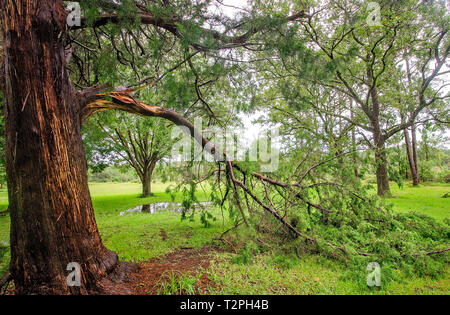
{"x":148,"y":279}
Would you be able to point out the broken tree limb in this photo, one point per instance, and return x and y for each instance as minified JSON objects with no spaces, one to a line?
{"x":122,"y":100}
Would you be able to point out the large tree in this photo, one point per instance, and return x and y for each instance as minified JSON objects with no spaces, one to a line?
{"x":140,"y":142}
{"x":52,"y":218}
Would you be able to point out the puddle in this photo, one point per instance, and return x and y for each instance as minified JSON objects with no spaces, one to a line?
{"x":163,"y":207}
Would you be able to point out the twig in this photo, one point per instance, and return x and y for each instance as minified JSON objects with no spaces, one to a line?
{"x":434,"y":252}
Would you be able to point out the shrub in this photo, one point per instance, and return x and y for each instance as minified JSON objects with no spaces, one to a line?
{"x":446,"y":178}
{"x":113,"y":174}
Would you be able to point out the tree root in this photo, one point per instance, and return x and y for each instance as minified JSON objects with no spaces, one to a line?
{"x":114,"y":282}
{"x":5,"y":281}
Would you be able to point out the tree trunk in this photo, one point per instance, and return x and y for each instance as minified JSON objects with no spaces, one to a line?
{"x":410,"y":155}
{"x":379,"y":140}
{"x":415,"y":177}
{"x":52,"y":218}
{"x":383,"y":188}
{"x":147,"y":180}
{"x":147,"y":186}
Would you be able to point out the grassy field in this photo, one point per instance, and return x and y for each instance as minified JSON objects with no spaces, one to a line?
{"x":426,"y":199}
{"x":138,"y":237}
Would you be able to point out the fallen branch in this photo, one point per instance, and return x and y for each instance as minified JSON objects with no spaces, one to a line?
{"x":124,"y":101}
{"x":434,"y":252}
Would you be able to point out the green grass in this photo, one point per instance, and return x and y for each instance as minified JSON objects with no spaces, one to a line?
{"x":137,"y":237}
{"x":425,"y":198}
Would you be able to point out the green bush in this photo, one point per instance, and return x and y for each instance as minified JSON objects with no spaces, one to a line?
{"x":178,"y":284}
{"x":446,"y":178}
{"x":113,"y":174}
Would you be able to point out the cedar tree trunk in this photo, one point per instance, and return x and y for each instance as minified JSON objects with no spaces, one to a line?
{"x":52,"y":218}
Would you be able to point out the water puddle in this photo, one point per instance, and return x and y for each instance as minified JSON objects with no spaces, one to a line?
{"x":163,"y":207}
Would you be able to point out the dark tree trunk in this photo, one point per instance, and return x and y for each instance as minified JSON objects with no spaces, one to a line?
{"x":415,"y":177}
{"x":383,"y":188}
{"x":52,"y":218}
{"x":379,"y":140}
{"x":410,"y":155}
{"x":147,"y":179}
{"x":147,"y":186}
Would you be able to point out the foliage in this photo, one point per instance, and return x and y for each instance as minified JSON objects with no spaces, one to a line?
{"x":245,"y":255}
{"x":328,"y":79}
{"x":113,"y":173}
{"x":446,"y":178}
{"x":118,"y":138}
{"x":177,"y":284}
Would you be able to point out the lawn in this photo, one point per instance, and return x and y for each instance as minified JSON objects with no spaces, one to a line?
{"x":141,"y":236}
{"x":426,"y":198}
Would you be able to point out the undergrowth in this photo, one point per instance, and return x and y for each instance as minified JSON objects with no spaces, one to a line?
{"x":175,"y":283}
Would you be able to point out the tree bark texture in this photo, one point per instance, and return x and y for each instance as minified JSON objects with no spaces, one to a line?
{"x":52,"y":218}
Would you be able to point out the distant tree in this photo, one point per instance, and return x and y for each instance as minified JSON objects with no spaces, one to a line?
{"x":140,"y":142}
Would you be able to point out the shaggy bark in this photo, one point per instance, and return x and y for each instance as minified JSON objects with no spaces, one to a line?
{"x":52,"y":218}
